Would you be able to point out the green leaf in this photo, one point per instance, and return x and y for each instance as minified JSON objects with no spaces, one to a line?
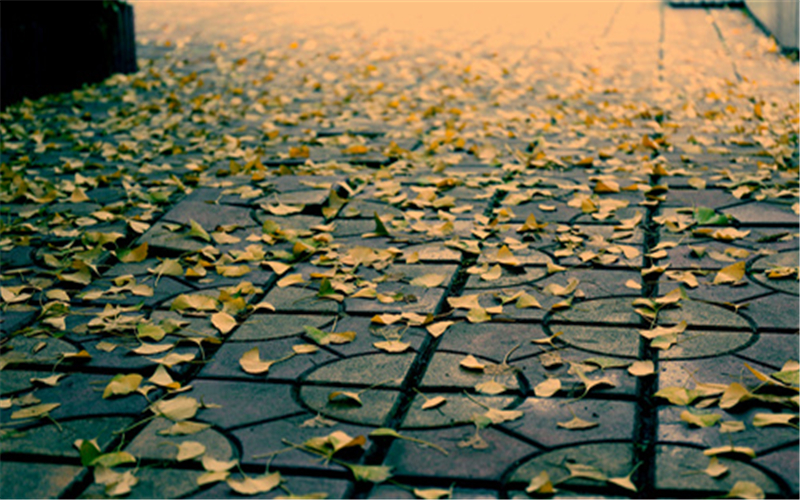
{"x":113,"y":459}
{"x":370,"y":473}
{"x":197,"y":231}
{"x":708,"y":217}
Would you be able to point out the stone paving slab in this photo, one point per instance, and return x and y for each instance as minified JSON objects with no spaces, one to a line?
{"x":311,"y":253}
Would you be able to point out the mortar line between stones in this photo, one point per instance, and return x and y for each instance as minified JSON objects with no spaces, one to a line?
{"x":646,"y":413}
{"x":377,"y":453}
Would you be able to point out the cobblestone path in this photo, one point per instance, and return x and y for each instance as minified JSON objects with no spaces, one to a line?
{"x":397,"y":251}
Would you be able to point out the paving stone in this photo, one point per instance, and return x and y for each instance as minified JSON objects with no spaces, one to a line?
{"x":160,"y":237}
{"x":45,"y":438}
{"x":149,"y":444}
{"x":492,"y":340}
{"x":15,"y":381}
{"x":594,"y":283}
{"x":156,"y":483}
{"x":716,"y":370}
{"x":226,"y":360}
{"x":674,"y":462}
{"x":296,"y":222}
{"x":509,"y":277}
{"x":414,"y":299}
{"x":783,"y":259}
{"x":783,"y":463}
{"x":16,"y":317}
{"x":612,"y":459}
{"x":391,"y":491}
{"x":259,"y":440}
{"x":615,"y":419}
{"x":274,"y":326}
{"x":762,"y":213}
{"x":369,"y":333}
{"x":618,"y":311}
{"x":458,"y":409}
{"x":433,"y":252}
{"x":300,"y":486}
{"x":672,"y":429}
{"x":772,"y":349}
{"x":711,"y":198}
{"x":707,"y":291}
{"x":17,"y":257}
{"x":375,"y":407}
{"x":42,"y":481}
{"x":563,"y":213}
{"x":81,"y":395}
{"x":486,"y":464}
{"x":536,"y":373}
{"x":36,"y":350}
{"x":209,"y":216}
{"x":165,"y":288}
{"x":243,"y":402}
{"x":444,"y":371}
{"x":775,"y":311}
{"x":294,"y":299}
{"x":361,"y":370}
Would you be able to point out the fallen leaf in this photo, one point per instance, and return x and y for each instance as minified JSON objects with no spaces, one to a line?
{"x":223,"y":322}
{"x":577,"y":424}
{"x":251,"y":362}
{"x":547,"y":388}
{"x":641,"y":368}
{"x":255,"y":485}
{"x":188,"y":450}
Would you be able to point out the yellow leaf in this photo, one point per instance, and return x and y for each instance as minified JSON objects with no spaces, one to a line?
{"x":633,"y":284}
{"x":392,"y":346}
{"x":252,"y":364}
{"x":733,"y":395}
{"x":745,"y":489}
{"x":291,"y":279}
{"x":547,"y":388}
{"x":541,"y":485}
{"x":138,"y":254}
{"x":433,"y":402}
{"x":504,"y":256}
{"x":478,"y":315}
{"x":429,"y":280}
{"x":223,"y":322}
{"x":255,"y":485}
{"x":715,"y":468}
{"x":696,"y":182}
{"x":493,"y":274}
{"x":765,"y":419}
{"x":577,"y":424}
{"x":190,"y":449}
{"x":122,"y":385}
{"x":465,"y":302}
{"x":34,"y":411}
{"x":526,"y":300}
{"x":730,"y":274}
{"x":471,"y":363}
{"x":641,"y":368}
{"x":436,"y":329}
{"x":278,"y":267}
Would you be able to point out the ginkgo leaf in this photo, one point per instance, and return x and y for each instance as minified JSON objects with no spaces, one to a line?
{"x":370,"y":473}
{"x":547,"y":388}
{"x":223,"y":322}
{"x":393,"y":346}
{"x":715,"y":469}
{"x":541,"y":484}
{"x":176,"y":409}
{"x":433,"y":402}
{"x":677,"y":395}
{"x":289,"y":280}
{"x":492,"y":274}
{"x":345,"y":397}
{"x":173,"y":359}
{"x":432,"y":493}
{"x":577,"y":424}
{"x":255,"y":485}
{"x":559,"y":291}
{"x":305,"y":349}
{"x":197,"y":231}
{"x":491,"y":387}
{"x":188,"y":450}
{"x":478,"y":315}
{"x":51,"y":381}
{"x":213,"y":465}
{"x":212,"y":477}
{"x":663,"y":330}
{"x":765,"y":419}
{"x":137,"y":254}
{"x":162,"y":378}
{"x":733,"y":395}
{"x":730,"y":449}
{"x":745,"y":489}
{"x":525,"y":300}
{"x":184,"y":428}
{"x":730,"y":274}
{"x":436,"y":329}
{"x":641,"y":368}
{"x":623,"y":482}
{"x":471,"y":363}
{"x":731,"y":426}
{"x":34,"y":411}
{"x":122,"y":385}
{"x":251,"y":362}
{"x":113,"y":459}
{"x":585,"y":471}
{"x":429,"y":280}
{"x":464,"y":302}
{"x":700,"y":420}
{"x":197,"y":302}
